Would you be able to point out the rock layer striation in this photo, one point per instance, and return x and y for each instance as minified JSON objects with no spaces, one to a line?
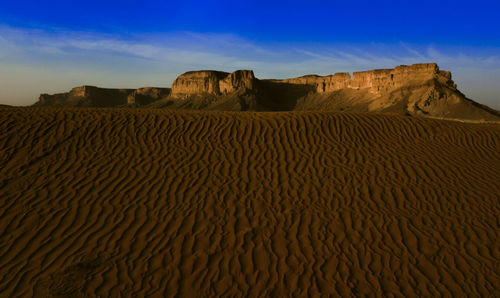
{"x":379,"y":80}
{"x":212,"y":82}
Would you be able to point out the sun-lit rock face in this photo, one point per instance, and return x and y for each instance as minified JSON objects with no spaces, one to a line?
{"x":212,"y":82}
{"x":378,"y":80}
{"x":323,"y":83}
{"x":418,"y":89}
{"x":193,"y":82}
{"x":240,"y":79}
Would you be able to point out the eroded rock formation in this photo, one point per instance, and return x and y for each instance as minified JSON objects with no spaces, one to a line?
{"x":212,"y":82}
{"x":418,"y":89}
{"x":378,"y":80}
{"x":90,"y":96}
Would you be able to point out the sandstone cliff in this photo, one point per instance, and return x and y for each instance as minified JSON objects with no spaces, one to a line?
{"x":379,"y":80}
{"x":212,"y":82}
{"x":418,"y":89}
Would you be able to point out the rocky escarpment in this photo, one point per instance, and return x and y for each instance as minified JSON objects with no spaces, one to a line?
{"x":147,"y":95}
{"x":90,"y":96}
{"x":379,"y":80}
{"x":418,"y":89}
{"x":213,"y":90}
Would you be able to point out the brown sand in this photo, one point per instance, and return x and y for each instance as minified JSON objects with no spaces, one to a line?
{"x":157,"y":203}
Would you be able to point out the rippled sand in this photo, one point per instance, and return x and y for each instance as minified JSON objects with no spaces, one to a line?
{"x":161,"y":203}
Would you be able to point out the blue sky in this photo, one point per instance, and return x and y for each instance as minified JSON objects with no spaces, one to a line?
{"x":51,"y":46}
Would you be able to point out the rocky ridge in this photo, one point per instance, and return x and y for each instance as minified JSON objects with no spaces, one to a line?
{"x":418,"y":89}
{"x":90,"y":96}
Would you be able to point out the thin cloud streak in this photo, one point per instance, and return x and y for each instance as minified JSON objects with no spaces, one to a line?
{"x":47,"y":62}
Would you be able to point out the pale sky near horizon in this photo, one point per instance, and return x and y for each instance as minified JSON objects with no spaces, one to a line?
{"x":44,"y":50}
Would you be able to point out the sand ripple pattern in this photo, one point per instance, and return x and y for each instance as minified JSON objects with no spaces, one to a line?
{"x":139,"y":202}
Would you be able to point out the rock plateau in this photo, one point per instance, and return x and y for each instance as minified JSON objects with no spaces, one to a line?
{"x":418,"y":89}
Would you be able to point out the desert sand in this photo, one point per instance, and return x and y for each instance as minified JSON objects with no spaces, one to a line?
{"x":154,"y":202}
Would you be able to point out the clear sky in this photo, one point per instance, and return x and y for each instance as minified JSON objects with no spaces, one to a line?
{"x":50,"y":46}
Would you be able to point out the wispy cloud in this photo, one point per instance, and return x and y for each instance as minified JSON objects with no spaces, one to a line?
{"x":54,"y":61}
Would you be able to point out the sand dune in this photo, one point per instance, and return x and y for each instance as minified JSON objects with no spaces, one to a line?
{"x":155,"y":202}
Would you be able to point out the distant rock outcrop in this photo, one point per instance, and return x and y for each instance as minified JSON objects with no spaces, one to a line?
{"x":418,"y":89}
{"x":90,"y":96}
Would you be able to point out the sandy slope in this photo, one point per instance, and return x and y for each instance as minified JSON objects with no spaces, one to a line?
{"x":156,"y":202}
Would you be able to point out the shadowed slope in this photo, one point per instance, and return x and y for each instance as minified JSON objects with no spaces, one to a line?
{"x":158,"y":203}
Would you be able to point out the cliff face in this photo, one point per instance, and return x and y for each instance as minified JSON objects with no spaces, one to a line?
{"x":238,"y":80}
{"x":379,"y":80}
{"x":212,"y":82}
{"x":418,"y":89}
{"x":90,"y":96}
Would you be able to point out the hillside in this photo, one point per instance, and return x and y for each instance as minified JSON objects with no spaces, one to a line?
{"x":419,"y":89}
{"x":154,"y":202}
